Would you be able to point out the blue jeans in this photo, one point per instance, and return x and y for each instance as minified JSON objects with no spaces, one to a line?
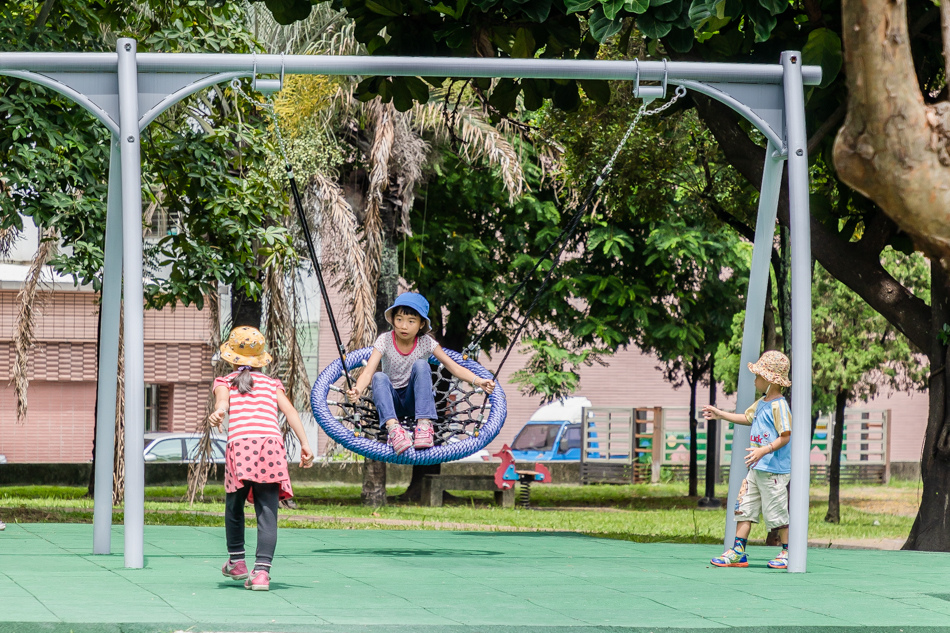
{"x":415,"y":399}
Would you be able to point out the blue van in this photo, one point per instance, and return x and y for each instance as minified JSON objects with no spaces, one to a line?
{"x":548,"y":441}
{"x":553,"y":433}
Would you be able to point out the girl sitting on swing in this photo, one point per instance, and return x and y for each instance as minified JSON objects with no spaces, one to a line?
{"x":404,"y":386}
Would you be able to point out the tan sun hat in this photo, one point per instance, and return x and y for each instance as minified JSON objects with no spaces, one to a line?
{"x":245,"y":346}
{"x":773,"y":366}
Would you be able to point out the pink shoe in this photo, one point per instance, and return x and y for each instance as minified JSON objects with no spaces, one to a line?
{"x":423,"y":435}
{"x":259,"y":580}
{"x":235,"y":570}
{"x":399,"y":439}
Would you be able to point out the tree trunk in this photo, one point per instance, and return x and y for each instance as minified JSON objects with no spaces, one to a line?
{"x":374,"y":473}
{"x":894,"y":148}
{"x":91,"y":490}
{"x":769,"y":325}
{"x":931,"y":529}
{"x":413,"y":493}
{"x":374,"y":484}
{"x":834,"y":468}
{"x":709,"y":499}
{"x":244,"y":310}
{"x":693,"y":432}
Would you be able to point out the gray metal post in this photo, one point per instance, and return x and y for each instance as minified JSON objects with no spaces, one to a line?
{"x":108,"y":358}
{"x":133,"y":305}
{"x":752,"y":330}
{"x":799,"y":219}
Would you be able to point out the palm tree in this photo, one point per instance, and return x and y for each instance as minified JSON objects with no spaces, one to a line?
{"x":361,"y":206}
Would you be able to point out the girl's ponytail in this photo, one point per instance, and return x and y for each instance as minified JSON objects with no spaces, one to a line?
{"x":244,"y":381}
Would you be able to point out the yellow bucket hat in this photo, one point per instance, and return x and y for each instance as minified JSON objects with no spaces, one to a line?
{"x":773,"y":366}
{"x":245,"y":346}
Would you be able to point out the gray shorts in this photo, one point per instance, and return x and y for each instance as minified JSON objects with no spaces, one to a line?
{"x":765,"y":493}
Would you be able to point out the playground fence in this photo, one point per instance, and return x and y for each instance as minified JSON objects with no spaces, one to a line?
{"x":652,"y":444}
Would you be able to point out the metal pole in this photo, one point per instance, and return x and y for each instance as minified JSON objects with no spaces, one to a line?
{"x":799,"y":218}
{"x":109,"y":308}
{"x":133,"y":305}
{"x":752,"y":330}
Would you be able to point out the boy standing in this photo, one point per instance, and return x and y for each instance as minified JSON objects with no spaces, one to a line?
{"x":765,"y":488}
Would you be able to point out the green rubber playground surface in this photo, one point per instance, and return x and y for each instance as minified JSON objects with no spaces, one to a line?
{"x":461,"y":582}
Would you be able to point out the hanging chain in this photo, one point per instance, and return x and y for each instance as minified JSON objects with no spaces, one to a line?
{"x":271,"y":110}
{"x":471,"y":350}
{"x":642,"y":112}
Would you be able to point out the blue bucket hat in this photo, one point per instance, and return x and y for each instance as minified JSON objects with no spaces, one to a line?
{"x":415,"y":301}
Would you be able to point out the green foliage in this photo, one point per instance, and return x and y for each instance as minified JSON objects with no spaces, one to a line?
{"x":854,"y":350}
{"x":469,"y":245}
{"x":204,"y":161}
{"x":652,"y":265}
{"x":545,"y":374}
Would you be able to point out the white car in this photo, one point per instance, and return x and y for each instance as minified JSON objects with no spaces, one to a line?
{"x":178,"y":448}
{"x":481,"y":455}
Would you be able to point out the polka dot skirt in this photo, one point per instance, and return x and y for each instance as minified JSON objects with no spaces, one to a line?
{"x":260,"y":459}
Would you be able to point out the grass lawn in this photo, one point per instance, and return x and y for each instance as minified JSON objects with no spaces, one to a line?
{"x":644,"y":513}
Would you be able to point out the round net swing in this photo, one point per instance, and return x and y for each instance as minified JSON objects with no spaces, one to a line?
{"x":467,"y":421}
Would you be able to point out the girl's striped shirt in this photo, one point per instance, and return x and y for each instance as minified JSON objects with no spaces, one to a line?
{"x":252,"y":414}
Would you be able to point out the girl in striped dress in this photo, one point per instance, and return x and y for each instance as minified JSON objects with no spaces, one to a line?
{"x":256,"y":461}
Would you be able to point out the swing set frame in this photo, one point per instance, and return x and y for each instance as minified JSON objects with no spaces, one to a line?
{"x":127,"y":90}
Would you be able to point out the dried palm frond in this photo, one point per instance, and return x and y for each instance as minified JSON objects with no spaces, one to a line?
{"x":23,"y":337}
{"x":280,"y":332}
{"x":8,"y":238}
{"x":202,"y":465}
{"x":380,"y":152}
{"x":344,"y":254}
{"x":408,"y":158}
{"x":480,"y":140}
{"x":325,"y":29}
{"x":281,"y":316}
{"x":118,"y":473}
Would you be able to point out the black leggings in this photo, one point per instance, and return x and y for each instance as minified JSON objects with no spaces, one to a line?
{"x":266,"y":497}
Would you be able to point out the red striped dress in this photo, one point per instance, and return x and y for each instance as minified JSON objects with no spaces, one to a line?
{"x":255,"y":445}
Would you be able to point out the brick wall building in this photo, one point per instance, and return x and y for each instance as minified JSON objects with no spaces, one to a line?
{"x":62,"y":372}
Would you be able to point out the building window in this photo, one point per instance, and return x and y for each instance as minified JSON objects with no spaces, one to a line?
{"x":151,"y":408}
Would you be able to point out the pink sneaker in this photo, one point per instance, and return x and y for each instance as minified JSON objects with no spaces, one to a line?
{"x":259,"y":580}
{"x":235,"y":570}
{"x":399,"y":439}
{"x":423,"y":435}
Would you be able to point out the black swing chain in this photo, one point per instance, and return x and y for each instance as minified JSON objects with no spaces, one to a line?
{"x":268,"y":105}
{"x":472,"y":348}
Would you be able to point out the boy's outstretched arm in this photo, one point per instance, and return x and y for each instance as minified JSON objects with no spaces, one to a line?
{"x":461,"y":373}
{"x":365,"y":376}
{"x":712,"y":413}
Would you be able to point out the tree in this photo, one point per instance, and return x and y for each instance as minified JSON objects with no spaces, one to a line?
{"x":703,"y":289}
{"x":205,"y":168}
{"x":857,"y":353}
{"x":849,"y":231}
{"x":904,"y":169}
{"x":361,"y":203}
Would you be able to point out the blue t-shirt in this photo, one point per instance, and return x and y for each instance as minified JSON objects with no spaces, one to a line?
{"x":769,"y":420}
